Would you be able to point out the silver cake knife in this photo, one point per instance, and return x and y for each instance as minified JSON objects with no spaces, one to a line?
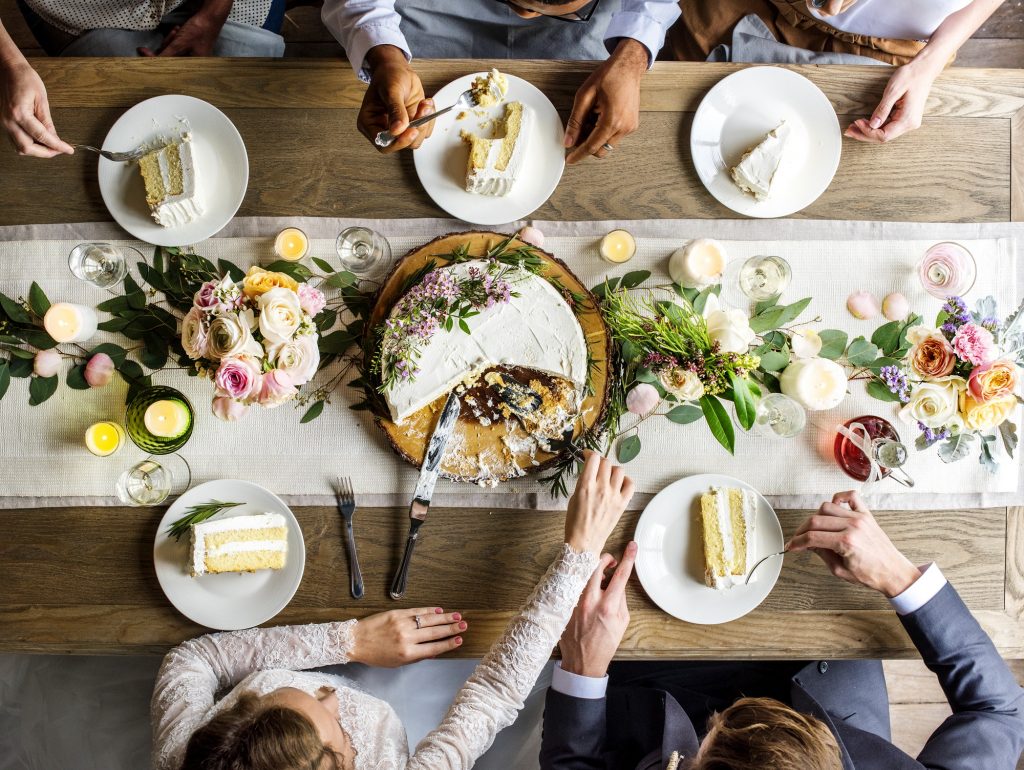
{"x":429,"y":472}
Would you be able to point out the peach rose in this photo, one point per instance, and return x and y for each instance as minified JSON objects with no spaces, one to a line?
{"x":259,"y":281}
{"x":983,"y":415}
{"x":930,"y":356}
{"x":993,"y":381}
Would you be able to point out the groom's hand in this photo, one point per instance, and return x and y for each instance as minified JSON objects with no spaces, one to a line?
{"x":600,"y":619}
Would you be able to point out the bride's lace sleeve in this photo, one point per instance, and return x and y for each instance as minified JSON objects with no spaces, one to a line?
{"x":193,"y":672}
{"x":494,"y":693}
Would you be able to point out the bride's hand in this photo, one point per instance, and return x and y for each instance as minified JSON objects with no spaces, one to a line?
{"x":601,"y":495}
{"x":392,"y":638}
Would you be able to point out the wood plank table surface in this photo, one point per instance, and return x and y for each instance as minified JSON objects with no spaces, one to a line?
{"x":81,"y":580}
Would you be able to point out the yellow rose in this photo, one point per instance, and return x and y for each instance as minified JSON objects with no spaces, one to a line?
{"x":993,"y":381}
{"x":983,"y":415}
{"x":259,"y":281}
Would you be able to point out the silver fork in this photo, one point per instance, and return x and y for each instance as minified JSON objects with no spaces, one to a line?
{"x":761,"y":561}
{"x":347,"y":506}
{"x":466,"y":100}
{"x":117,"y":157}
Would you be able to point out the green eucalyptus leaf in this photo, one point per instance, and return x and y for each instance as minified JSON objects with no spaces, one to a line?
{"x":700,"y":301}
{"x":887,"y":336}
{"x":833,"y":343}
{"x":313,"y":412}
{"x":114,"y":324}
{"x":337,"y":342}
{"x":37,"y":338}
{"x":628,"y":449}
{"x":861,"y":352}
{"x":37,"y":300}
{"x":154,"y":355}
{"x":878,"y":389}
{"x":324,"y":265}
{"x":775,"y":360}
{"x":114,"y":305}
{"x":685,"y":414}
{"x":5,"y":378}
{"x":878,"y":363}
{"x":14,"y":310}
{"x":40,"y":389}
{"x":17,"y":352}
{"x":719,"y":422}
{"x":341,"y":279}
{"x":20,"y":367}
{"x":233,"y":271}
{"x":296,"y":270}
{"x":76,"y":378}
{"x":635,"y":278}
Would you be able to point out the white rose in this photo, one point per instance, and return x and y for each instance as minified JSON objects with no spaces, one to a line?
{"x":935,"y":404}
{"x":228,"y":336}
{"x":682,"y":383}
{"x":299,"y":358}
{"x":194,"y":334}
{"x":280,"y":314}
{"x":806,"y":343}
{"x":731,"y":330}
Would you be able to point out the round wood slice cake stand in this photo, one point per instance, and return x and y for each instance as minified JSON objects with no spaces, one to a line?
{"x":473,"y":444}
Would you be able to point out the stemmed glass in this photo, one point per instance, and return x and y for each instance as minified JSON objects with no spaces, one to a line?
{"x":779,"y":416}
{"x":154,"y":479}
{"x":362,"y":250}
{"x":755,"y":279}
{"x":104,"y":265}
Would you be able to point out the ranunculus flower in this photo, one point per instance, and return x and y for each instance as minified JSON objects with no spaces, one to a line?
{"x":642,"y":399}
{"x":299,"y":358}
{"x":229,"y":335}
{"x":984,"y":415}
{"x":682,"y":383}
{"x":227,"y":409}
{"x":936,"y":403}
{"x":259,"y":281}
{"x":930,"y":356}
{"x":993,"y":381}
{"x":729,"y":328}
{"x":311,"y":299}
{"x":277,"y":388}
{"x":194,"y":333}
{"x":806,"y":343}
{"x":238,"y":377}
{"x":280,"y":315}
{"x":99,"y":371}
{"x":974,"y":344}
{"x":47,"y":363}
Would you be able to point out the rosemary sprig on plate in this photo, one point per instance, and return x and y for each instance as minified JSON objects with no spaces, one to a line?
{"x":197,"y":514}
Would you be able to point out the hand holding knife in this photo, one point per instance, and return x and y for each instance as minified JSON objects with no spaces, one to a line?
{"x":429,"y":472}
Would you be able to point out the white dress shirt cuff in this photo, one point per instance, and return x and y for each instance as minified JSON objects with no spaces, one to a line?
{"x":369,"y":36}
{"x":577,"y":686}
{"x":646,"y":30}
{"x":921,"y":591}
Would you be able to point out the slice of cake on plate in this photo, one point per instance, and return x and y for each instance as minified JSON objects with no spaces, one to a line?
{"x":494,"y":164}
{"x":759,"y":165}
{"x":239,"y":544}
{"x":727,"y":516}
{"x":170,"y":177}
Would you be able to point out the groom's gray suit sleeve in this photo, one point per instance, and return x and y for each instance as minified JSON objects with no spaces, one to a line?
{"x":573,"y":733}
{"x":986,"y":729}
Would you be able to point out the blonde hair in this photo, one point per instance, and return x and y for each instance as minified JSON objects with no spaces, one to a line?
{"x":250,"y":737}
{"x":765,"y":734}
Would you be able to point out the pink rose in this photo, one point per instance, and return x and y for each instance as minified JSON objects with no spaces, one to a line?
{"x":277,"y":388}
{"x":642,"y":399}
{"x":238,"y":377}
{"x":218,"y":296}
{"x":47,"y":363}
{"x":99,"y":370}
{"x":227,"y":409}
{"x":205,"y":299}
{"x":311,"y":299}
{"x":993,"y":381}
{"x":974,"y":344}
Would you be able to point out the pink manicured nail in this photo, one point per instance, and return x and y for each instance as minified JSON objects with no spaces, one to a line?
{"x":875,"y":122}
{"x":456,"y":616}
{"x":458,"y":640}
{"x":438,"y":610}
{"x":463,"y":626}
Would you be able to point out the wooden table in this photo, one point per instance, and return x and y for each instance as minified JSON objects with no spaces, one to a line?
{"x":81,"y":580}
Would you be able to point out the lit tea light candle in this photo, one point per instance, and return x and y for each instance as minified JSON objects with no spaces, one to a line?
{"x":816,"y":383}
{"x":291,"y":244}
{"x":104,"y":438}
{"x":66,"y":322}
{"x":698,"y":264}
{"x":618,"y":246}
{"x":167,"y":419}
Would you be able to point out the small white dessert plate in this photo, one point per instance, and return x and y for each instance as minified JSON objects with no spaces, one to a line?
{"x":739,"y":111}
{"x":670,"y":560}
{"x":222,"y":167}
{"x":441,"y":160}
{"x":232,"y":600}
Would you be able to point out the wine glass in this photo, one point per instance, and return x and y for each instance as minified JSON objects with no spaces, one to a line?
{"x":755,"y":279}
{"x":362,"y":250}
{"x":104,"y":265}
{"x":779,"y":416}
{"x":153,"y":480}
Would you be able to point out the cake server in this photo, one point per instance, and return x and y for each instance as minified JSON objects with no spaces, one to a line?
{"x":429,"y":472}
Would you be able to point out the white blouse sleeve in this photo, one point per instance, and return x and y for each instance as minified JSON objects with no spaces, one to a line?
{"x":193,"y":673}
{"x":495,"y":692}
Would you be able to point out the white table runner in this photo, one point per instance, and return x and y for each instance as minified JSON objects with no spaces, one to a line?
{"x":44,"y":460}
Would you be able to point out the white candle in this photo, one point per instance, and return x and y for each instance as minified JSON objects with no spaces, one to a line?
{"x":816,"y":383}
{"x":698,"y":264}
{"x":618,"y":246}
{"x":66,"y":322}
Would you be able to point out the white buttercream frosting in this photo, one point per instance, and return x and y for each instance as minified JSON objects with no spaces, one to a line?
{"x":202,"y":530}
{"x":535,"y":330}
{"x":490,"y":180}
{"x":757,"y":170}
{"x":728,"y":542}
{"x":184,"y":208}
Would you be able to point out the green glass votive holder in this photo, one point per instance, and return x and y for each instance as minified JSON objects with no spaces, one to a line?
{"x":172,"y":412}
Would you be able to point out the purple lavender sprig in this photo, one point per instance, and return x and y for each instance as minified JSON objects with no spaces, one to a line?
{"x":957,"y":315}
{"x":932,"y":435}
{"x":895,"y":379}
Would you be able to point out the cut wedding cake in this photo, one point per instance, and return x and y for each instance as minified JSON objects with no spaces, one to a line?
{"x":759,"y":165}
{"x":494,"y":164}
{"x":239,"y":544}
{"x":170,"y":178}
{"x":727,"y":516}
{"x":535,"y":330}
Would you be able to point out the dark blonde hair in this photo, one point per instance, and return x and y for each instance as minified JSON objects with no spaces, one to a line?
{"x":764,"y":734}
{"x":249,"y":736}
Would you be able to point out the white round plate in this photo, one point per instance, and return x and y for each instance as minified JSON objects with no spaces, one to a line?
{"x":736,"y":114}
{"x":222,"y":167}
{"x":441,"y":160}
{"x":670,"y":560}
{"x":230,"y":600}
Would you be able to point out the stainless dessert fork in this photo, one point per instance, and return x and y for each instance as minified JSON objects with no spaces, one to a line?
{"x":117,"y":157}
{"x":761,"y":561}
{"x":347,"y":506}
{"x":466,"y":100}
